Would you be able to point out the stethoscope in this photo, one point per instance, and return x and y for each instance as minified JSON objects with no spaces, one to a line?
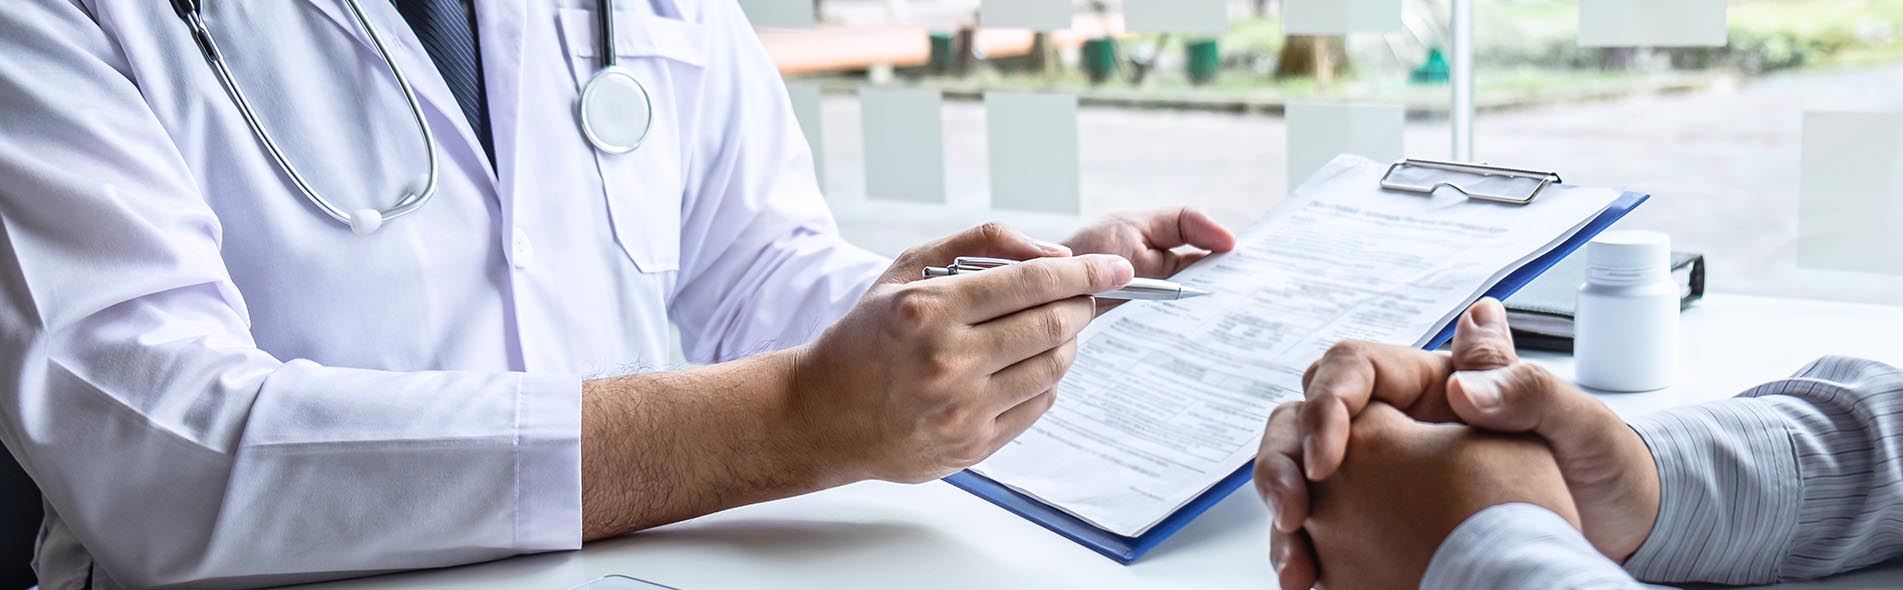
{"x":614,"y":111}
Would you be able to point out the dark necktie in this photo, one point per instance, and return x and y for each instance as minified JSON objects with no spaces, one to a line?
{"x":447,"y":29}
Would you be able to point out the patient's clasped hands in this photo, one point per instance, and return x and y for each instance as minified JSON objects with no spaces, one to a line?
{"x":1394,"y":447}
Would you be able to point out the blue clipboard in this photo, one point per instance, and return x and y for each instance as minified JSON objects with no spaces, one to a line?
{"x":1128,"y":549}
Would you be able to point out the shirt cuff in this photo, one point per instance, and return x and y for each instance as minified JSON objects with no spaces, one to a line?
{"x":1518,"y":545}
{"x":1728,"y":494}
{"x":548,"y":463}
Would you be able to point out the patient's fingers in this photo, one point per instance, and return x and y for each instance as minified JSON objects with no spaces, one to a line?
{"x":1482,"y":339}
{"x":1294,"y":560}
{"x":1350,"y":376}
{"x":1278,"y":469}
{"x":1278,"y":476}
{"x":1526,"y":397}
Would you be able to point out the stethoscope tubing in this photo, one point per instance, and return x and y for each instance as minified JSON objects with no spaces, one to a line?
{"x":360,"y":221}
{"x":415,"y":201}
{"x":410,"y":202}
{"x":605,"y":12}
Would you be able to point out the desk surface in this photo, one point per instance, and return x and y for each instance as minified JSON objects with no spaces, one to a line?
{"x":871,"y":535}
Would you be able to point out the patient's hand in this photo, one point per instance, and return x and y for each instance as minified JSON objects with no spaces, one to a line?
{"x":1405,"y":485}
{"x":1609,"y":470}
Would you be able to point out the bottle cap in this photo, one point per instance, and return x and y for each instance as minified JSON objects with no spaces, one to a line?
{"x":1630,"y":249}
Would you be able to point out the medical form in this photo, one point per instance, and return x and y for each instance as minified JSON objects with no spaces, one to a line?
{"x":1165,"y":399}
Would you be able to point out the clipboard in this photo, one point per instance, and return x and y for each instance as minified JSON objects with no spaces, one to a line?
{"x":1499,"y":184}
{"x":1489,"y":183}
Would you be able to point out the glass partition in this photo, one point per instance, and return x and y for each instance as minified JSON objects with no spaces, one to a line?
{"x":1743,"y":141}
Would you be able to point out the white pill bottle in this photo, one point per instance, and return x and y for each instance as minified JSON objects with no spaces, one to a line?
{"x":1625,"y":325}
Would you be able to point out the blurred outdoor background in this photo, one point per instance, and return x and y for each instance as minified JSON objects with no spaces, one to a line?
{"x":1714,"y":133}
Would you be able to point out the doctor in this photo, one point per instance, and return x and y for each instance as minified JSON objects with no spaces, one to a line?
{"x":307,"y":289}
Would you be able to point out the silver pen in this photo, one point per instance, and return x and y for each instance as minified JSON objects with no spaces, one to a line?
{"x":1138,"y":289}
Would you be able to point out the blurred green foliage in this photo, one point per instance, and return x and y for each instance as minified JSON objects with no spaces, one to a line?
{"x":1529,"y":35}
{"x":1527,"y":53}
{"x":1765,"y":36}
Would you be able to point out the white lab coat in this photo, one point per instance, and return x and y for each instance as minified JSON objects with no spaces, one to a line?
{"x":216,"y":385}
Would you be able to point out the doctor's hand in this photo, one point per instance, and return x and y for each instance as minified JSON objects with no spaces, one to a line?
{"x":1148,"y":239}
{"x":1608,"y":469}
{"x":926,"y":377}
{"x":1379,"y":518}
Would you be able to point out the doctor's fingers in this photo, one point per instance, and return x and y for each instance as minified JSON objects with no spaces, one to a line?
{"x":1184,"y":226}
{"x":1019,"y":418}
{"x":1278,"y":469}
{"x":982,"y":296}
{"x":1348,"y":377}
{"x":1006,"y":341}
{"x":1179,"y":261}
{"x":1011,"y":387}
{"x":992,"y":239}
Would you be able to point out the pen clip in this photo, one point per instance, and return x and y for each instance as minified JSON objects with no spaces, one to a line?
{"x":964,"y":263}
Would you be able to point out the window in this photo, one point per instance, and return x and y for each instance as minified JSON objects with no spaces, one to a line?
{"x":1716,"y":134}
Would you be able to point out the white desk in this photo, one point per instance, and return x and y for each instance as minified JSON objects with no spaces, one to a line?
{"x":878,"y":535}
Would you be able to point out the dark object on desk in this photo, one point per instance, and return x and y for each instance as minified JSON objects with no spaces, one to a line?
{"x":1542,"y":313}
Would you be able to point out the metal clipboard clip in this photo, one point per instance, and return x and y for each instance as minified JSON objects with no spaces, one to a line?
{"x":1477,"y":181}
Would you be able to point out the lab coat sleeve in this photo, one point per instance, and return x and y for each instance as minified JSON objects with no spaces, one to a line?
{"x":763,"y":264}
{"x":165,"y":441}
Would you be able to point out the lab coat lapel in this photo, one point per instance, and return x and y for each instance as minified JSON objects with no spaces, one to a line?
{"x":499,"y":26}
{"x":417,"y":66}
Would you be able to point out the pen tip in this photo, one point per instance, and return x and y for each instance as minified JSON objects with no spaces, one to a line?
{"x":1188,"y":292}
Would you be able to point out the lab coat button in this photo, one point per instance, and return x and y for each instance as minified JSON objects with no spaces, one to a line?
{"x":523,"y":252}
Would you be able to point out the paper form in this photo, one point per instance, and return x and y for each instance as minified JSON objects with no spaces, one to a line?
{"x":1167,"y":398}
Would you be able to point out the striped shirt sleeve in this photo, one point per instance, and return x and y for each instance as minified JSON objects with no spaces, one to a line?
{"x":1794,"y":479}
{"x":1521,"y":547}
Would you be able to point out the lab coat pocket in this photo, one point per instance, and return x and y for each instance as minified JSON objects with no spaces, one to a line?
{"x":644,"y":188}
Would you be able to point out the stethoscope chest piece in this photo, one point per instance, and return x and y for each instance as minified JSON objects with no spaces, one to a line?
{"x":615,"y":110}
